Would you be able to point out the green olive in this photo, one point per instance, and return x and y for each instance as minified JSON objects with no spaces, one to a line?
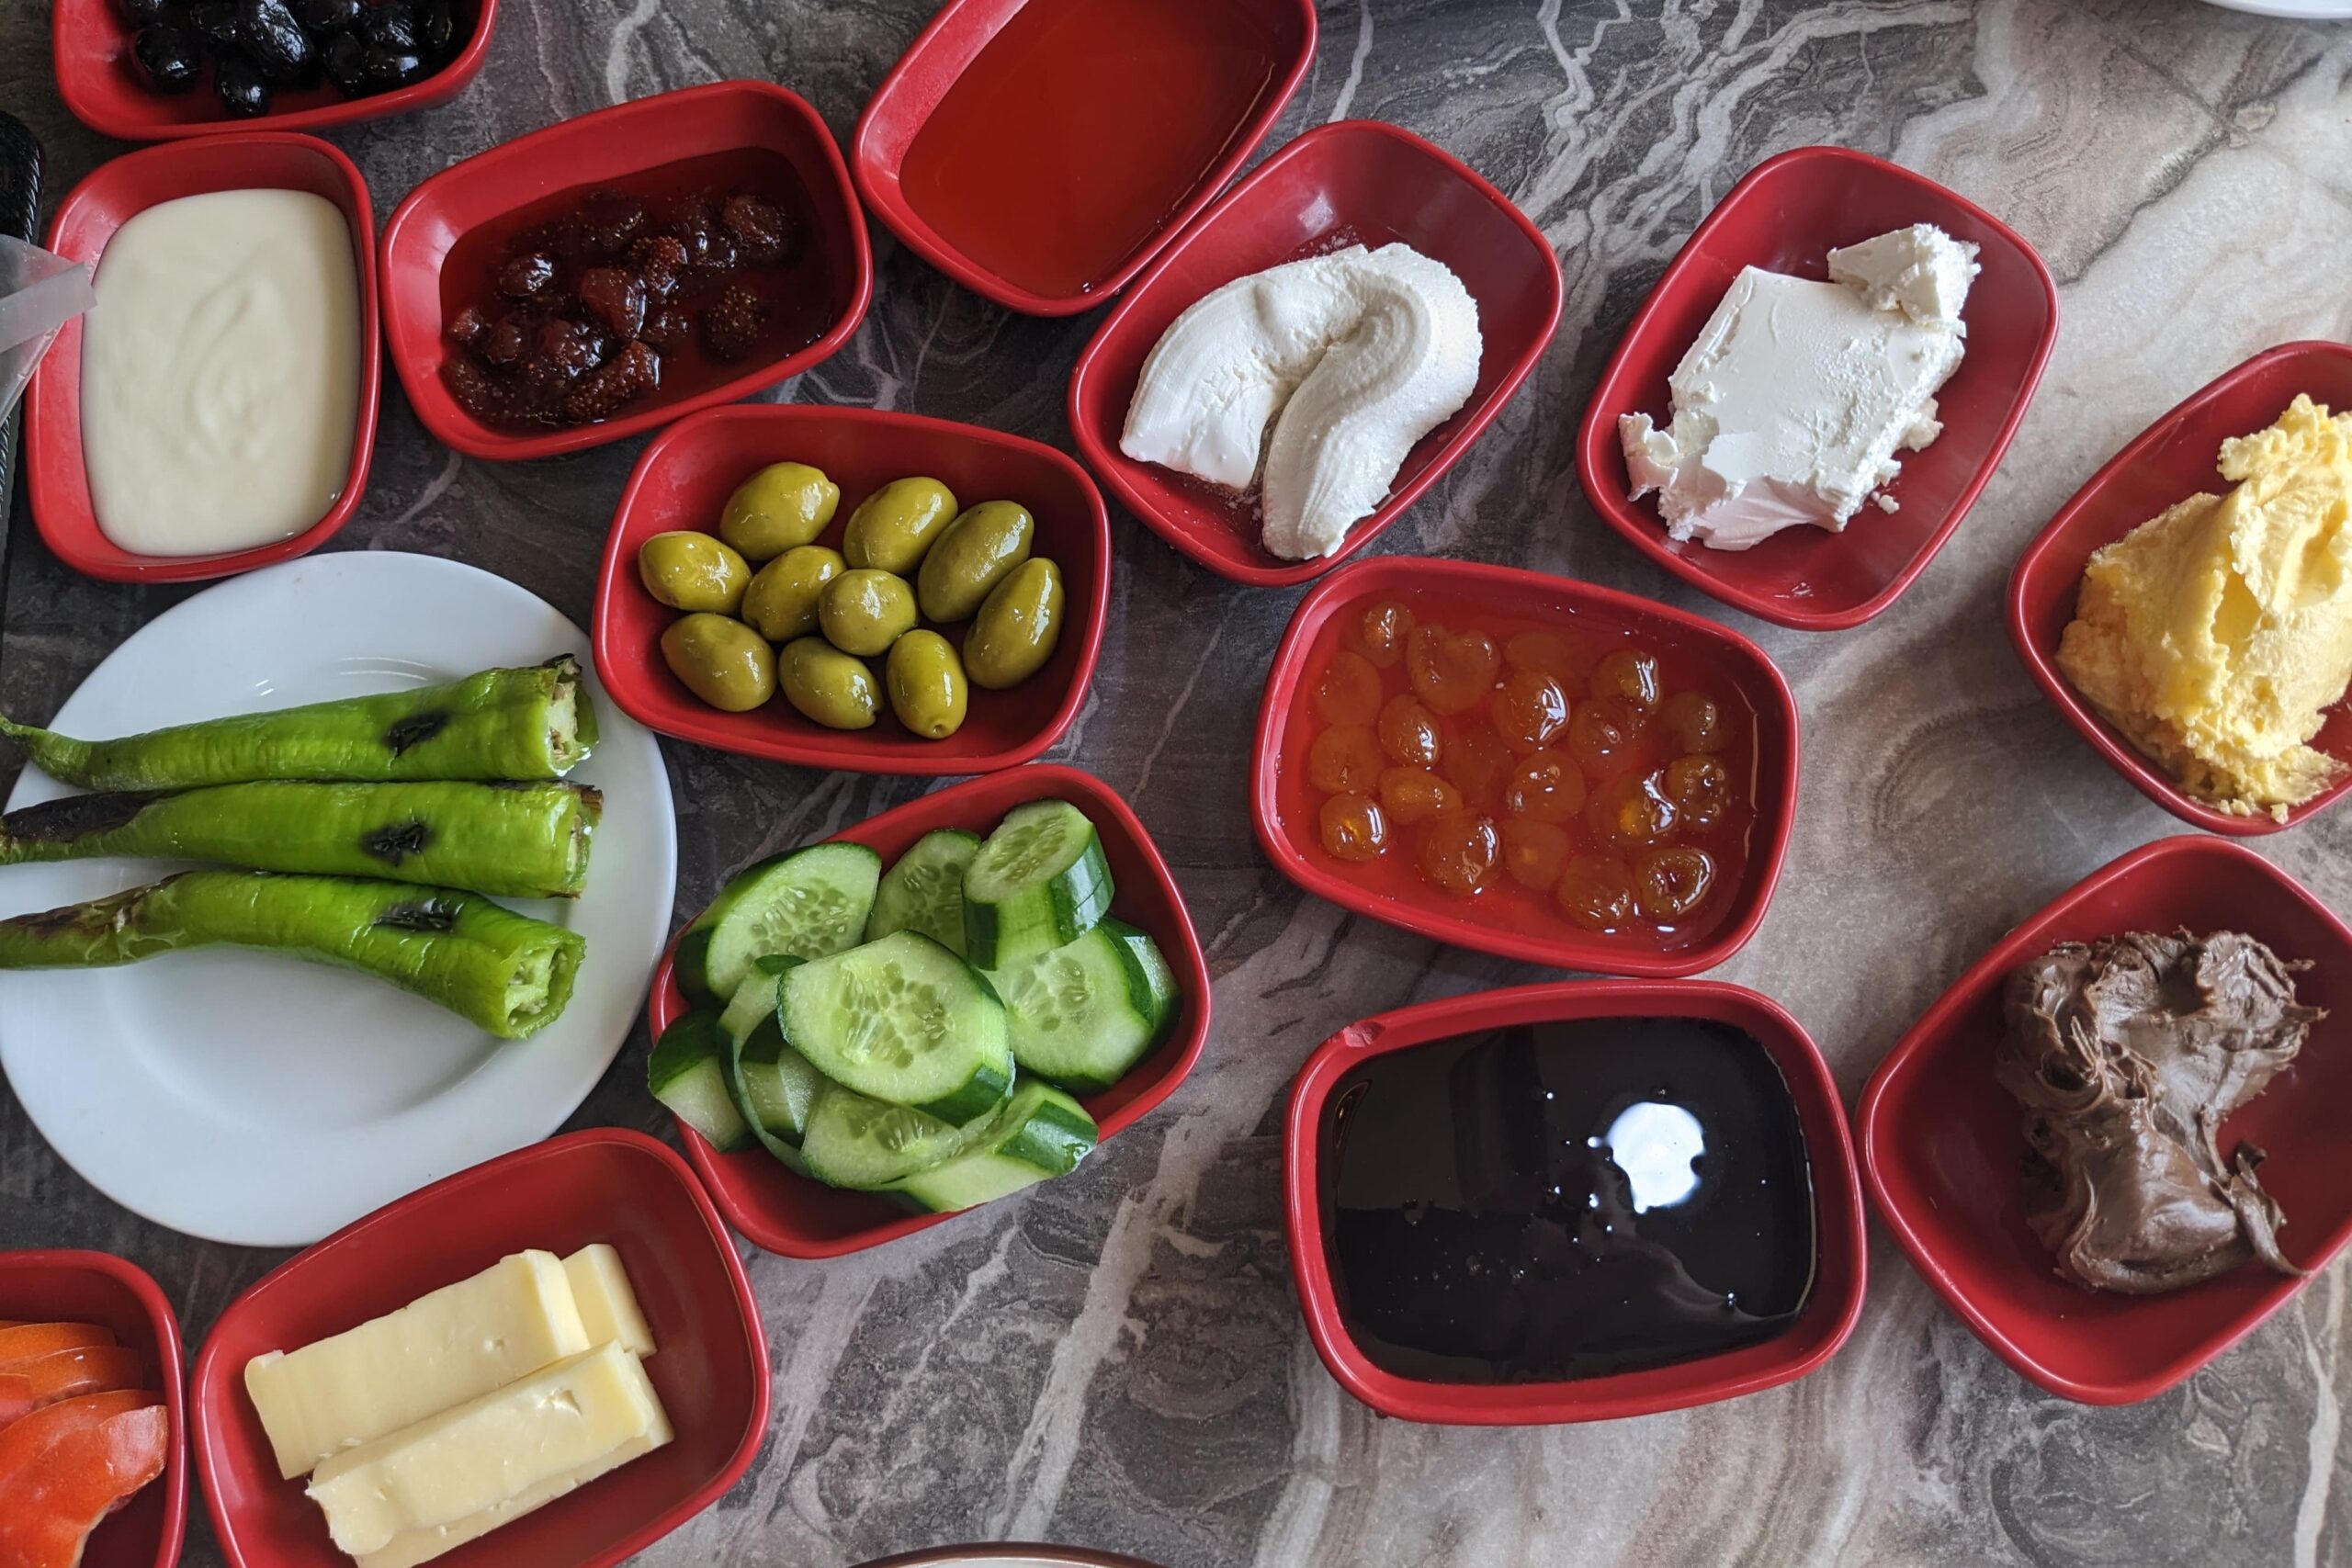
{"x":720,"y":660}
{"x":690,"y":571}
{"x":781,"y":507}
{"x":781,"y":602}
{"x":864,"y":611}
{"x":926,"y":681}
{"x":1017,"y":626}
{"x":979,"y":550}
{"x":892,"y":528}
{"x":827,"y":686}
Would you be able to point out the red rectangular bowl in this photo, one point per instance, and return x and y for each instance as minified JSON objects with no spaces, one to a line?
{"x":2168,"y":462}
{"x":1356,"y":181}
{"x":800,"y":1218}
{"x":90,"y":51}
{"x":97,"y":1287}
{"x":1786,"y":216}
{"x":682,"y":481}
{"x":1839,"y":1271}
{"x":1284,"y":804}
{"x":709,"y":1365}
{"x":86,"y":220}
{"x":897,"y":112}
{"x":581,"y":152}
{"x":1941,"y":1141}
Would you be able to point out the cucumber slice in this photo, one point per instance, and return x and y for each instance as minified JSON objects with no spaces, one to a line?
{"x":1039,"y":882}
{"x":902,"y":1021}
{"x":1043,"y":1133}
{"x":688,"y":1073}
{"x":809,"y":903}
{"x":772,"y":1085}
{"x":923,"y":890}
{"x":1085,"y":1013}
{"x":857,"y":1142}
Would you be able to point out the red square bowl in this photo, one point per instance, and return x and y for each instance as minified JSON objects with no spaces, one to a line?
{"x":709,"y":1365}
{"x":2165,"y":464}
{"x":97,"y":1287}
{"x":1941,"y":1141}
{"x":749,"y":120}
{"x":86,"y":220}
{"x":1840,"y":1268}
{"x":1356,"y":181}
{"x":800,"y":1218}
{"x":1786,"y":216}
{"x":1504,"y":917}
{"x":90,"y":50}
{"x":1276,"y":41}
{"x":682,"y":481}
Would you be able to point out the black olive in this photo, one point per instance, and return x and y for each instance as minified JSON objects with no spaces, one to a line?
{"x":145,"y":13}
{"x":171,"y":58}
{"x":276,"y":43}
{"x":346,"y":59}
{"x":437,"y":27}
{"x":215,"y":22}
{"x":244,"y":92}
{"x":326,"y":18}
{"x":390,"y":26}
{"x":394,"y":67}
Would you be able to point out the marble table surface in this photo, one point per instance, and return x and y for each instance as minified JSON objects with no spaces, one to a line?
{"x":1117,"y":1359}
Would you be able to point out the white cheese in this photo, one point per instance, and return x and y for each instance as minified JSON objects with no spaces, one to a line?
{"x":608,"y":1307}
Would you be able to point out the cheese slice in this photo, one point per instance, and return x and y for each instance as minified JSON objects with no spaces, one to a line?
{"x":497,"y":1450}
{"x":607,"y":1305}
{"x":441,"y":1349}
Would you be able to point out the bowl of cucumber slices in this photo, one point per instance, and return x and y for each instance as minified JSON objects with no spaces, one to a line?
{"x":946,"y":1004}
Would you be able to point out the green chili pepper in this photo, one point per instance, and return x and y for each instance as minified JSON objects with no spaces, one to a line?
{"x":508,"y":973}
{"x":501,"y":723}
{"x":516,"y":841}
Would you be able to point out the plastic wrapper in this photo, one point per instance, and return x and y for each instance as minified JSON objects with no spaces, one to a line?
{"x":39,"y":292}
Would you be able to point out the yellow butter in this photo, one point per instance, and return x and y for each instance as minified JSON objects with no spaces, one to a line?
{"x":411,"y":1547}
{"x":608,"y":1307}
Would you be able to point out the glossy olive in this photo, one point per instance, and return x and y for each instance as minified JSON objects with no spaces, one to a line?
{"x":689,"y":571}
{"x":864,"y":611}
{"x":781,"y":600}
{"x":827,"y":686}
{"x":1017,"y":626}
{"x":720,"y":660}
{"x":926,"y":683}
{"x":892,"y":528}
{"x":781,"y":506}
{"x":979,"y":550}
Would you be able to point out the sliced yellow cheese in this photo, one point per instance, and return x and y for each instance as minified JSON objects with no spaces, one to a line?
{"x":457,"y":1343}
{"x":493,"y":1450}
{"x":607,"y":1305}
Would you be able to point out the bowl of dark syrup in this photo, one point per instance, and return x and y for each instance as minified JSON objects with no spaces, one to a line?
{"x":1572,"y":1202}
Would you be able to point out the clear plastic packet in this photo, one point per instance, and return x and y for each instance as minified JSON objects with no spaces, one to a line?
{"x":39,"y":292}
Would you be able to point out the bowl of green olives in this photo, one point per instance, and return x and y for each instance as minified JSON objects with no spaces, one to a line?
{"x":848,"y":589}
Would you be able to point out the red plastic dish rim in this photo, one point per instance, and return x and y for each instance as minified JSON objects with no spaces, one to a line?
{"x":1592,"y":954}
{"x":883,"y":199}
{"x":169,"y":1353}
{"x":109,"y":563}
{"x":438,"y":88}
{"x":746,"y":1305}
{"x":481,"y":441}
{"x":717,"y":730}
{"x":1110,"y":464}
{"x":664,"y":1003}
{"x":2129,"y":759}
{"x":1642,"y":528}
{"x":1606,"y":1398}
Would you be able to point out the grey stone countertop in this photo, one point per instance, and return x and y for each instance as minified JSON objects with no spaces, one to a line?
{"x":1117,"y":1360}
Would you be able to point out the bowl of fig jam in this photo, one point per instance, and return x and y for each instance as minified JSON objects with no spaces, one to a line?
{"x":691,"y":248}
{"x":1574,"y":1202}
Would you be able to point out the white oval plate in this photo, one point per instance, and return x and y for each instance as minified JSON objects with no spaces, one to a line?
{"x":252,"y":1099}
{"x":2298,"y":10}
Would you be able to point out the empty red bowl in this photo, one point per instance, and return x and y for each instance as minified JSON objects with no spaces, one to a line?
{"x":2165,"y":464}
{"x":1273,"y":39}
{"x":1356,"y":181}
{"x":755,"y":120}
{"x":1941,"y":1141}
{"x":800,"y":1218}
{"x":1820,"y":1328}
{"x":1786,"y":216}
{"x":682,"y":481}
{"x":1503,"y":918}
{"x":90,"y":49}
{"x":86,"y":220}
{"x":97,"y":1287}
{"x":709,"y":1365}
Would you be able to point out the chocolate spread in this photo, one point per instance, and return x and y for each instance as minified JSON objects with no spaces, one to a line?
{"x":2128,"y":1054}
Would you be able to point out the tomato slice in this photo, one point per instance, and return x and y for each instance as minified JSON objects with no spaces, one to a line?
{"x":66,"y":1374}
{"x":22,"y":1444}
{"x":27,"y":1340}
{"x":49,"y":1506}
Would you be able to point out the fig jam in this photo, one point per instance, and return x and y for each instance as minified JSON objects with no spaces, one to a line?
{"x":1565,"y":1200}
